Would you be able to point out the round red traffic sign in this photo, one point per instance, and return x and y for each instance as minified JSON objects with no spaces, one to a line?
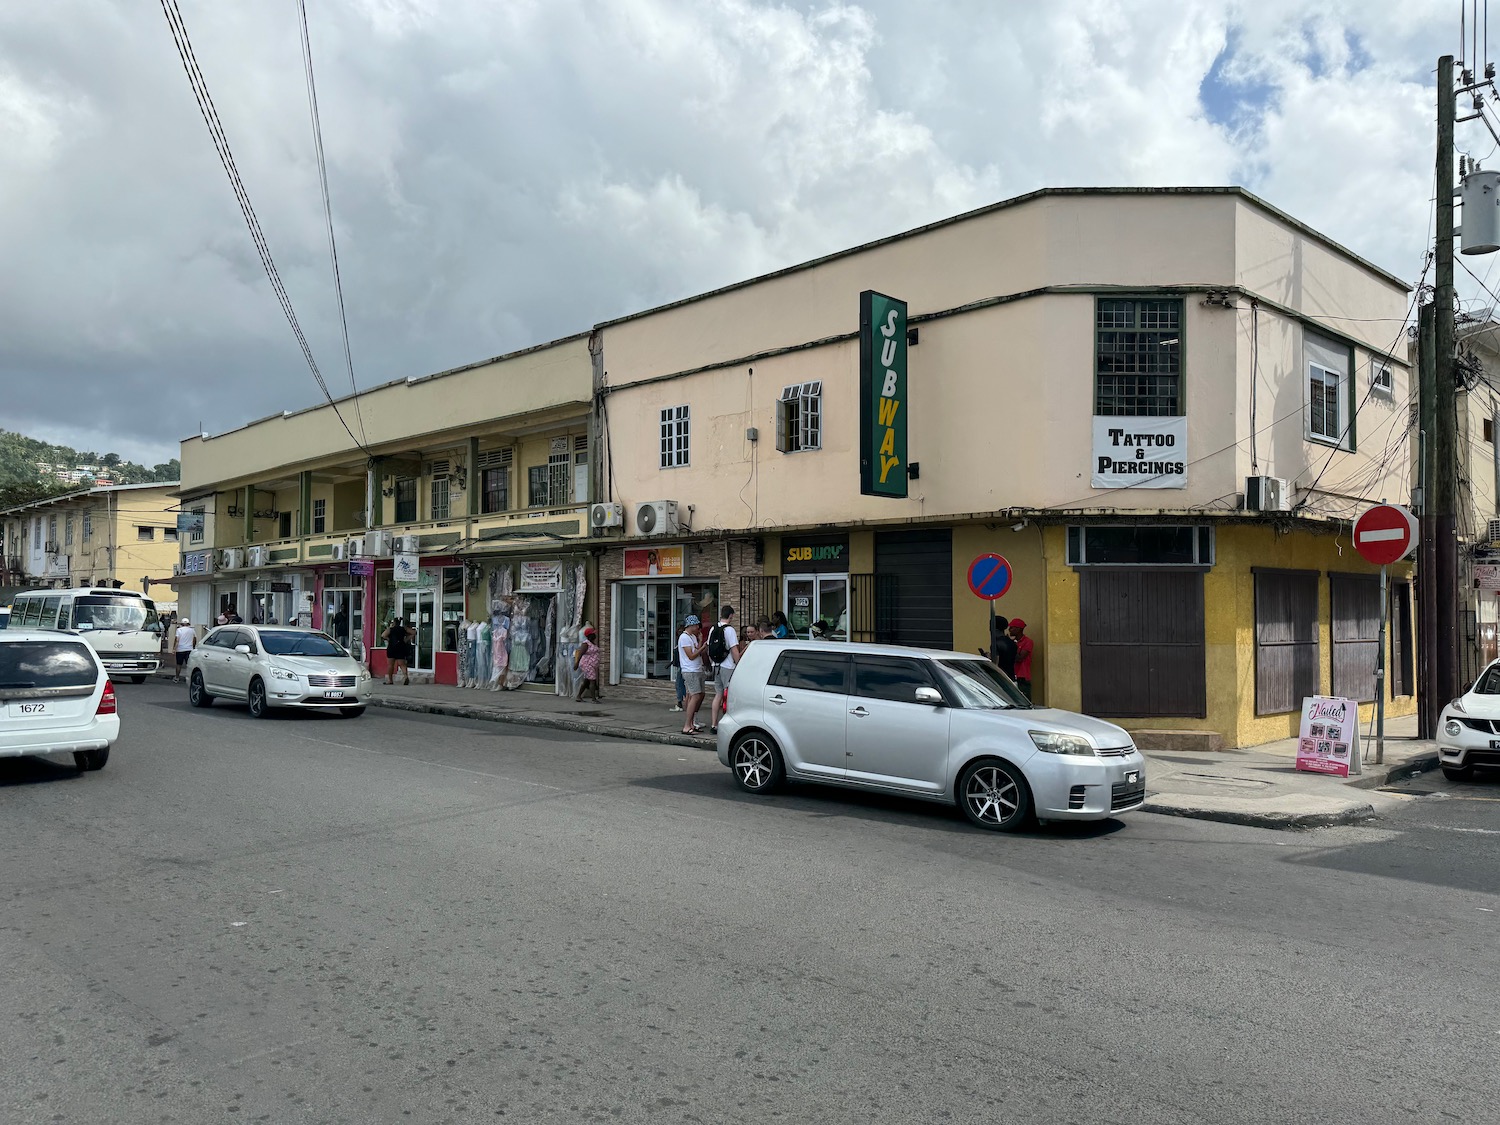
{"x":989,"y":577}
{"x":1385,"y":533}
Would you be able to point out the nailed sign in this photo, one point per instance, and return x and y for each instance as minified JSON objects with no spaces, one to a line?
{"x":1139,"y":452}
{"x":882,"y":395}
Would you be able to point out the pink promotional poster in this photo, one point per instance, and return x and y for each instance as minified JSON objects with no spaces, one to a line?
{"x":1328,"y":741}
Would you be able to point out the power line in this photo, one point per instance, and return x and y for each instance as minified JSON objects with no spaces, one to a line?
{"x":221,"y":145}
{"x":333,"y":250}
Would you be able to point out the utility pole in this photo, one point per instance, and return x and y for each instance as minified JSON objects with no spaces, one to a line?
{"x":1443,"y":486}
{"x":1428,"y":704}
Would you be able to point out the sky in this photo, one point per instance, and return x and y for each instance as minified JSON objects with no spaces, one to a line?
{"x":506,"y":172}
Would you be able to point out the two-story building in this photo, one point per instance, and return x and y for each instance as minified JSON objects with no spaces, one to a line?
{"x":1162,"y":407}
{"x":118,"y":534}
{"x":441,"y":500}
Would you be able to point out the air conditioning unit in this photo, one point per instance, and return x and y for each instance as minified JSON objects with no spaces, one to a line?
{"x":355,"y":548}
{"x":176,"y":570}
{"x":1268,"y":494}
{"x":378,"y":544}
{"x":231,"y":558}
{"x":340,"y":551}
{"x":606,"y":515}
{"x":51,"y":546}
{"x":408,"y":544}
{"x":656,"y":517}
{"x":1492,"y":533}
{"x":258,"y":556}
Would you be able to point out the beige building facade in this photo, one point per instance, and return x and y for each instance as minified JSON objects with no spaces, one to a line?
{"x":116,"y":534}
{"x":1258,"y":366}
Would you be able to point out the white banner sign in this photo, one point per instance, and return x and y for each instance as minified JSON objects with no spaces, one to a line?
{"x":407,"y":570}
{"x":1140,"y":452}
{"x":541,"y":577}
{"x":1487,"y":576}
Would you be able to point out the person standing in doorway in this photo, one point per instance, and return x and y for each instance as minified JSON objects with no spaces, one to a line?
{"x":723,"y":650}
{"x":341,"y":626}
{"x":1023,"y":656}
{"x":690,"y":668}
{"x":185,"y":640}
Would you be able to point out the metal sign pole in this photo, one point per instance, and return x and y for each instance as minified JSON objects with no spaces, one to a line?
{"x":1380,"y":676}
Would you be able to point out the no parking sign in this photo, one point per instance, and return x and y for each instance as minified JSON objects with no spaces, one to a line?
{"x":990,"y":577}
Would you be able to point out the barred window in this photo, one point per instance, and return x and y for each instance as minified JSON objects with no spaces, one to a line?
{"x":799,"y":418}
{"x":674,"y":437}
{"x":88,"y":526}
{"x":439,"y":507}
{"x":1138,"y":357}
{"x":320,"y":516}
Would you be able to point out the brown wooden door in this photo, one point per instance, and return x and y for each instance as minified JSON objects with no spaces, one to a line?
{"x":1402,"y":680}
{"x":1286,"y":639}
{"x":1142,"y":650}
{"x":1355,"y":625}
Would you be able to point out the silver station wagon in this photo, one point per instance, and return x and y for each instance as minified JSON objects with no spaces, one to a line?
{"x":942,"y":726}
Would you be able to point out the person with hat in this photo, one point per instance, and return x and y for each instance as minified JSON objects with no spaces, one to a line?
{"x":586,"y":660}
{"x":690,"y":667}
{"x":184,"y":641}
{"x":1023,"y":655}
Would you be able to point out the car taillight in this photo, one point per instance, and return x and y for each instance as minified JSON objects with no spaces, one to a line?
{"x":724,"y":703}
{"x":107,"y":700}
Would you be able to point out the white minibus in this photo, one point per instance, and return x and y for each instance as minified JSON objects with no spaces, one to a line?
{"x":120,"y":625}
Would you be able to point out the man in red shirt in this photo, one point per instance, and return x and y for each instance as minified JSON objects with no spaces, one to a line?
{"x":1023,"y":655}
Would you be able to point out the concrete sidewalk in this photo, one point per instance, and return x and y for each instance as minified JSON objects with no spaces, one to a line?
{"x":1260,"y":786}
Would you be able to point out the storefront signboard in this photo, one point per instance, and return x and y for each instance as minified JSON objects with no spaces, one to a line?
{"x":541,"y":577}
{"x":882,"y":395}
{"x":653,"y":562}
{"x":407,"y":570}
{"x":195,"y":562}
{"x":281,"y":587}
{"x":1487,"y":576}
{"x":362,"y":568}
{"x":1328,"y":741}
{"x":1139,"y":452}
{"x":805,"y":555}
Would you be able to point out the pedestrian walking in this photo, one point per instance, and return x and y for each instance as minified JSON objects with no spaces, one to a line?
{"x":397,"y":638}
{"x":586,"y":660}
{"x":1024,"y":648}
{"x":690,"y":667}
{"x":724,"y":651}
{"x":185,"y":640}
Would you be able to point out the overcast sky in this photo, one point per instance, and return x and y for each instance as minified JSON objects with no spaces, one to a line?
{"x":504,"y":172}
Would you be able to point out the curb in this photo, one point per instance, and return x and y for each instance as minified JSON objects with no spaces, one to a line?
{"x":1421,"y":763}
{"x":533,"y":719}
{"x":1286,"y":822}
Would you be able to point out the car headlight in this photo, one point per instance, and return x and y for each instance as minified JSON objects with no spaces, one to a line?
{"x":364,"y":674}
{"x":1458,"y":705}
{"x":1049,"y":742}
{"x":283,"y":674}
{"x":1453,"y":728}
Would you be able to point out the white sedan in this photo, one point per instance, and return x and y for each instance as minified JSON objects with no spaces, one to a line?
{"x":1469,"y":729}
{"x":267,"y":666}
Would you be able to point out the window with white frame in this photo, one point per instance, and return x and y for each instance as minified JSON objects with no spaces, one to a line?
{"x":36,"y":534}
{"x":799,"y":417}
{"x":320,"y":517}
{"x":88,"y":526}
{"x":68,"y":529}
{"x":440,"y":505}
{"x":1326,"y":389}
{"x":674,"y":437}
{"x":1381,"y":380}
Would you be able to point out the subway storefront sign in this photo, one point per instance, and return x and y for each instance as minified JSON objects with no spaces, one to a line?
{"x":882,"y":402}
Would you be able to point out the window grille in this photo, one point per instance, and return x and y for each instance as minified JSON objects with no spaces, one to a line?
{"x":675,"y":425}
{"x":1138,"y":358}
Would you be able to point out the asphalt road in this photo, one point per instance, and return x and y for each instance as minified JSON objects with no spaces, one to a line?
{"x":407,"y":918}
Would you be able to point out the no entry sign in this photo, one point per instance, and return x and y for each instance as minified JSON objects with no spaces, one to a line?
{"x":1385,"y":533}
{"x":989,"y":577}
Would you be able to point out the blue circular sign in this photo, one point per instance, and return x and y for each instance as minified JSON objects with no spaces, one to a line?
{"x":990,"y":577}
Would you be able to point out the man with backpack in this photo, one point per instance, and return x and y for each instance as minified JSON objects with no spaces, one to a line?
{"x":723,"y":649}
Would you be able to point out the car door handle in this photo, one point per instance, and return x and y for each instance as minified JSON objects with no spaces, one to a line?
{"x":860,"y":711}
{"x":778,"y":699}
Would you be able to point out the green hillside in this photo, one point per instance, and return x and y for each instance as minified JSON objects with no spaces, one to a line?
{"x":22,"y":478}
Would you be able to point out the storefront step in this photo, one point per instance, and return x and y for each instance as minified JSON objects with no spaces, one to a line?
{"x":1169,"y":741}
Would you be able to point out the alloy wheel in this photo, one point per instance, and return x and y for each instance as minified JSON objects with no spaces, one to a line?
{"x":754,"y":763}
{"x":257,"y":699}
{"x":993,"y":796}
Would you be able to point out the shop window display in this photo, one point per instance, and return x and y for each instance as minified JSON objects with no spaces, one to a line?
{"x":527,"y":638}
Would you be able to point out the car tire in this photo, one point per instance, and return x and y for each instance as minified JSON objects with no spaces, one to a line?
{"x":756,"y":762}
{"x":1459,"y":773}
{"x":137,"y":679}
{"x":87,"y":760}
{"x":260,"y":706}
{"x":994,"y":795}
{"x":198,"y":694}
{"x":351,"y":712}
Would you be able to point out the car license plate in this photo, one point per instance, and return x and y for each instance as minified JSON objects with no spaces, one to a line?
{"x":333,"y":695}
{"x":1132,"y":777}
{"x":29,"y":709}
{"x":1495,"y":744}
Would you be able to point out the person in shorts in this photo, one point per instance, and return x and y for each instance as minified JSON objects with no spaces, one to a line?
{"x":690,"y":668}
{"x":725,"y":669}
{"x":183,"y":642}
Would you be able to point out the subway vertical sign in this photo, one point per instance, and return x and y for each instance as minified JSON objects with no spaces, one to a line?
{"x":882,"y":395}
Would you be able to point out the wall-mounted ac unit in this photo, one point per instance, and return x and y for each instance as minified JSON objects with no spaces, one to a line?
{"x":258,"y":556}
{"x":340,"y":551}
{"x":1492,"y":533}
{"x":232,"y":558}
{"x":51,"y":547}
{"x":355,"y":548}
{"x":176,"y":570}
{"x":1268,"y":494}
{"x":602,"y":516}
{"x":656,"y":517}
{"x":408,"y":544}
{"x":378,"y":544}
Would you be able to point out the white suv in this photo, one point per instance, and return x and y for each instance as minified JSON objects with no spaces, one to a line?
{"x":942,"y":726}
{"x":55,"y":698}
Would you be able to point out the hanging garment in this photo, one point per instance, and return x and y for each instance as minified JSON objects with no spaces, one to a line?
{"x":482,"y":660}
{"x":499,"y":650}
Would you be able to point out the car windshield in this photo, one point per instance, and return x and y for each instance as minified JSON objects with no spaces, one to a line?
{"x":979,"y":684}
{"x":301,"y":644}
{"x":100,"y":611}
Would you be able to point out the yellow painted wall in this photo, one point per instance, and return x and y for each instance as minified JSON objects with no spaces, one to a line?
{"x":1229,"y":628}
{"x":1026,"y":598}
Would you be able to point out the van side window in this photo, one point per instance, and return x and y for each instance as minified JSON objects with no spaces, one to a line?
{"x":889,"y":677}
{"x":812,"y":671}
{"x":49,"y":613}
{"x":65,"y":615}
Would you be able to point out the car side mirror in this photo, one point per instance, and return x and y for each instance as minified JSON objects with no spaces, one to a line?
{"x":1465,"y":689}
{"x":929,"y":695}
{"x":242,"y":648}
